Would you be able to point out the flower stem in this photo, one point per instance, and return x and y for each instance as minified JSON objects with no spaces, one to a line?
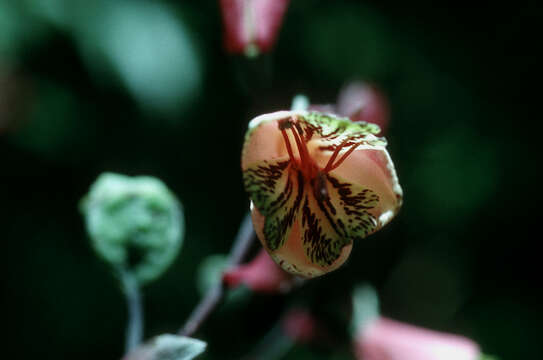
{"x":214,"y":295}
{"x":134,"y":329}
{"x":300,"y":102}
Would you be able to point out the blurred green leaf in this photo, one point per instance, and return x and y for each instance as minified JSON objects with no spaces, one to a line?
{"x":141,"y":43}
{"x":10,"y":28}
{"x":17,"y":31}
{"x":149,"y":48}
{"x":169,"y":347}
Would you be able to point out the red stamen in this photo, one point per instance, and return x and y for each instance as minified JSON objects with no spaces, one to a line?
{"x":344,"y":157}
{"x":305,"y":158}
{"x":300,"y":145}
{"x":328,"y":166}
{"x":287,"y":143}
{"x":306,"y":163}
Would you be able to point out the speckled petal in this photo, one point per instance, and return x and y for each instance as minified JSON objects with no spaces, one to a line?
{"x":333,"y":219}
{"x":276,"y":190}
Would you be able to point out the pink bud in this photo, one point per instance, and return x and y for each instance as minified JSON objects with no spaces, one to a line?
{"x":363,"y":102}
{"x":251,"y":25}
{"x":299,"y":325}
{"x":261,"y":274}
{"x":386,"y":339}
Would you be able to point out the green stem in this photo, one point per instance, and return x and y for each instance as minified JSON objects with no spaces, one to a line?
{"x":300,"y":102}
{"x":214,"y":295}
{"x":134,"y":328}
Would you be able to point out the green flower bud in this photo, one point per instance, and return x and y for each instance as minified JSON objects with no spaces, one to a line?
{"x":135,"y":224}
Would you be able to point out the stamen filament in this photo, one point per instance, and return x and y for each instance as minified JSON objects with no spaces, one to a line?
{"x":328,"y":166}
{"x":287,"y":143}
{"x":301,"y":146}
{"x":344,"y":156}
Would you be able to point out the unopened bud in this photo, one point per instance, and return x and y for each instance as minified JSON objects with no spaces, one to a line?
{"x":363,"y":102}
{"x":261,"y":274}
{"x":135,"y":224}
{"x":251,"y":26}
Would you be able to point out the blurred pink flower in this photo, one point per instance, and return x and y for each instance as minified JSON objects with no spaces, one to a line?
{"x":261,"y":274}
{"x":385,"y":339}
{"x":251,"y":25}
{"x":360,"y":101}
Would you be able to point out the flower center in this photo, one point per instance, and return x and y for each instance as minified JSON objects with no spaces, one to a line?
{"x":305,"y":163}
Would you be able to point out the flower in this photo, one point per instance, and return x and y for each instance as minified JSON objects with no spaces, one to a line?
{"x":316,"y":183}
{"x":251,"y":26}
{"x":260,"y":275}
{"x":360,"y":101}
{"x":385,"y":339}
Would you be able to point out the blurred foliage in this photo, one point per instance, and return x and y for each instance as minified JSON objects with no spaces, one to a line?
{"x":168,"y":347}
{"x":145,"y":87}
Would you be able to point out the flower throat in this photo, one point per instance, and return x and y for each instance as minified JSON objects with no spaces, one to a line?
{"x":305,"y":163}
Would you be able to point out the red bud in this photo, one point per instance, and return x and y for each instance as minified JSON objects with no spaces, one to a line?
{"x":261,"y":274}
{"x":251,"y":25}
{"x":363,"y":102}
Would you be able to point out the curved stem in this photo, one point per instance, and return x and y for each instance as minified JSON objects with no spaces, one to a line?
{"x":214,"y":295}
{"x":243,"y":241}
{"x":134,"y":329}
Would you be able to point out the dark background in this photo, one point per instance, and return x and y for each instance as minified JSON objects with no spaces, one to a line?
{"x":465,"y":132}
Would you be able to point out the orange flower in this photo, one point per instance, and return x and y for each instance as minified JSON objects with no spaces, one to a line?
{"x":317,"y":183}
